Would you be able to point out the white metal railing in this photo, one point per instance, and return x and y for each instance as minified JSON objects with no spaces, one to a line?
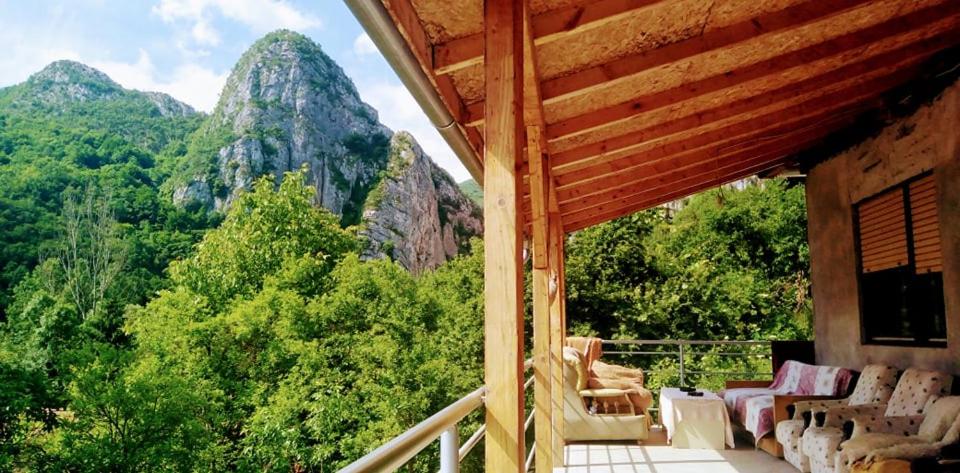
{"x":443,"y":425}
{"x":684,"y":351}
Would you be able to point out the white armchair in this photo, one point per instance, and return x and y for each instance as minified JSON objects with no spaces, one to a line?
{"x":875,"y":385}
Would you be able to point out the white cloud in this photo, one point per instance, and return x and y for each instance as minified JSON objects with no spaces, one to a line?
{"x":191,"y":83}
{"x":399,"y":111}
{"x":260,"y":16}
{"x":363,"y":45}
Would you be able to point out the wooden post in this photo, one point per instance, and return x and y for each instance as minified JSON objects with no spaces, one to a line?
{"x":503,"y":260}
{"x":557,"y":328}
{"x":543,"y":403}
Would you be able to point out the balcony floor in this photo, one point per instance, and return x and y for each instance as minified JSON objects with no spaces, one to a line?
{"x":655,"y":456}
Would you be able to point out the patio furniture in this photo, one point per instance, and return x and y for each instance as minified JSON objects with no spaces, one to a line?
{"x":579,"y":423}
{"x":914,"y":389}
{"x":902,"y":437}
{"x":759,"y":405}
{"x":606,"y":376}
{"x":874,"y":385}
{"x":695,"y":422}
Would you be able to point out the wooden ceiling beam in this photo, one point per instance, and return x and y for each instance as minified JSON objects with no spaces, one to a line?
{"x":790,"y":17}
{"x":548,"y":26}
{"x":772,"y":123}
{"x":409,"y":25}
{"x":900,"y":58}
{"x":657,"y":197}
{"x":684,"y":160}
{"x":701,"y":161}
{"x":725,"y":79}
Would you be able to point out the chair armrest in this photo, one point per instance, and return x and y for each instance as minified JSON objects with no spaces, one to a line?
{"x":803,"y":408}
{"x":781,"y":402}
{"x":735,"y":384}
{"x":605,"y":370}
{"x":836,"y":416}
{"x":864,"y":424}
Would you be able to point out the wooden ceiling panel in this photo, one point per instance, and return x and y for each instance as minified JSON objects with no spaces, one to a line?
{"x":781,"y":86}
{"x":707,"y":57}
{"x":723,"y":78}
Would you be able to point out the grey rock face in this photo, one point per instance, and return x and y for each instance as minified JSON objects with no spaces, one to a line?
{"x":70,"y":81}
{"x":417,"y":215}
{"x":169,"y":106}
{"x":287,"y":106}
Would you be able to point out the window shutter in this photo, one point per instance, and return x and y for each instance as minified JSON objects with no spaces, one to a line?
{"x":926,"y":225}
{"x":883,"y":232}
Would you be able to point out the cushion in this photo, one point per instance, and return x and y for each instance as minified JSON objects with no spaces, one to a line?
{"x":915,"y":389}
{"x":575,"y":359}
{"x":875,"y":385}
{"x":939,"y":417}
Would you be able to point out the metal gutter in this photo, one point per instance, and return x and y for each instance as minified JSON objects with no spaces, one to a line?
{"x":378,"y":23}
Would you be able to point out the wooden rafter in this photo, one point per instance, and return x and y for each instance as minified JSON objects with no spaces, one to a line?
{"x":725,"y":79}
{"x":900,"y":58}
{"x":410,"y":27}
{"x":546,"y":27}
{"x":772,"y":123}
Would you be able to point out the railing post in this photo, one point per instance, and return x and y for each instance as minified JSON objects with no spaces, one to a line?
{"x":450,"y":451}
{"x":683,"y":381}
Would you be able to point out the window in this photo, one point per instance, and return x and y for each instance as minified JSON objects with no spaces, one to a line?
{"x":901,"y":267}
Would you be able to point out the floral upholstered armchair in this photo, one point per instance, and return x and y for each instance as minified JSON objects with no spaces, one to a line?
{"x":914,"y":390}
{"x":875,"y":385}
{"x":875,"y":440}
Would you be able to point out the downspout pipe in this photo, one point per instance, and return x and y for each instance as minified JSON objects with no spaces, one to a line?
{"x":378,"y":23}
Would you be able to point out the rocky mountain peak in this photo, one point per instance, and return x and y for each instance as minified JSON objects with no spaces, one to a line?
{"x":70,"y":81}
{"x":287,"y":106}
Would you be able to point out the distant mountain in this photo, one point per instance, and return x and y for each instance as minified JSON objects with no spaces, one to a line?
{"x":471,"y":189}
{"x":288,"y":106}
{"x":69,"y":125}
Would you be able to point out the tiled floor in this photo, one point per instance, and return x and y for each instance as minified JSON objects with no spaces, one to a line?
{"x":655,"y":456}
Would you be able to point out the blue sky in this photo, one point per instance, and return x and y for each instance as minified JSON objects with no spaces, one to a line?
{"x":187,"y":47}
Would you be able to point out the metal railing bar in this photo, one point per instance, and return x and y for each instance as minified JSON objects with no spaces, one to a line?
{"x":641,"y":353}
{"x":533,"y":451}
{"x":526,"y":423}
{"x":687,"y":342}
{"x":472,"y":441}
{"x":401,"y":449}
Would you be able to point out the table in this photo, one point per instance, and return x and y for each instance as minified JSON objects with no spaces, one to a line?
{"x":695,"y":422}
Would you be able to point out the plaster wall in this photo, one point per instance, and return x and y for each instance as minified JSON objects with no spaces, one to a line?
{"x":927,"y":140}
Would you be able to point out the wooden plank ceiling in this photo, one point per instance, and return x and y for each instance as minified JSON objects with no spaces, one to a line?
{"x":647,"y":101}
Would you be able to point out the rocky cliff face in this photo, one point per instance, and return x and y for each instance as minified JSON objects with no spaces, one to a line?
{"x":288,"y":106}
{"x":417,"y":215}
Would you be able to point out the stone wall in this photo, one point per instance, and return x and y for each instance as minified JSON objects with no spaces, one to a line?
{"x":927,"y":140}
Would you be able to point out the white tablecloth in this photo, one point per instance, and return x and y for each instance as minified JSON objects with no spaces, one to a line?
{"x":695,"y":422}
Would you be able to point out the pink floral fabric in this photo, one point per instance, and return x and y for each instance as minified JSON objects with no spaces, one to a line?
{"x":753,"y":407}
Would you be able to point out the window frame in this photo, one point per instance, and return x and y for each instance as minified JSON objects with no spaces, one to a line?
{"x":865,"y":339}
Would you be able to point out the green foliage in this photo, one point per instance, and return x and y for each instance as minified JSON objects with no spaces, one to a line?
{"x":471,"y":189}
{"x":730,"y":265}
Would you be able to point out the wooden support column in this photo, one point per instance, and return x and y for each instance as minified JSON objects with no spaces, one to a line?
{"x":503,"y":248}
{"x":543,"y":403}
{"x":557,"y":328}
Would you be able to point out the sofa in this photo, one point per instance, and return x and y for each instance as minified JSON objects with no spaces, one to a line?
{"x":913,"y":391}
{"x":606,"y":376}
{"x":582,"y":425}
{"x":874,"y":385}
{"x":758,"y":406}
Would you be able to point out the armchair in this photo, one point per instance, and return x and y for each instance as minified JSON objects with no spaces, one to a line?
{"x":875,"y":439}
{"x":874,"y":385}
{"x":606,"y":376}
{"x":914,"y":389}
{"x":579,"y":423}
